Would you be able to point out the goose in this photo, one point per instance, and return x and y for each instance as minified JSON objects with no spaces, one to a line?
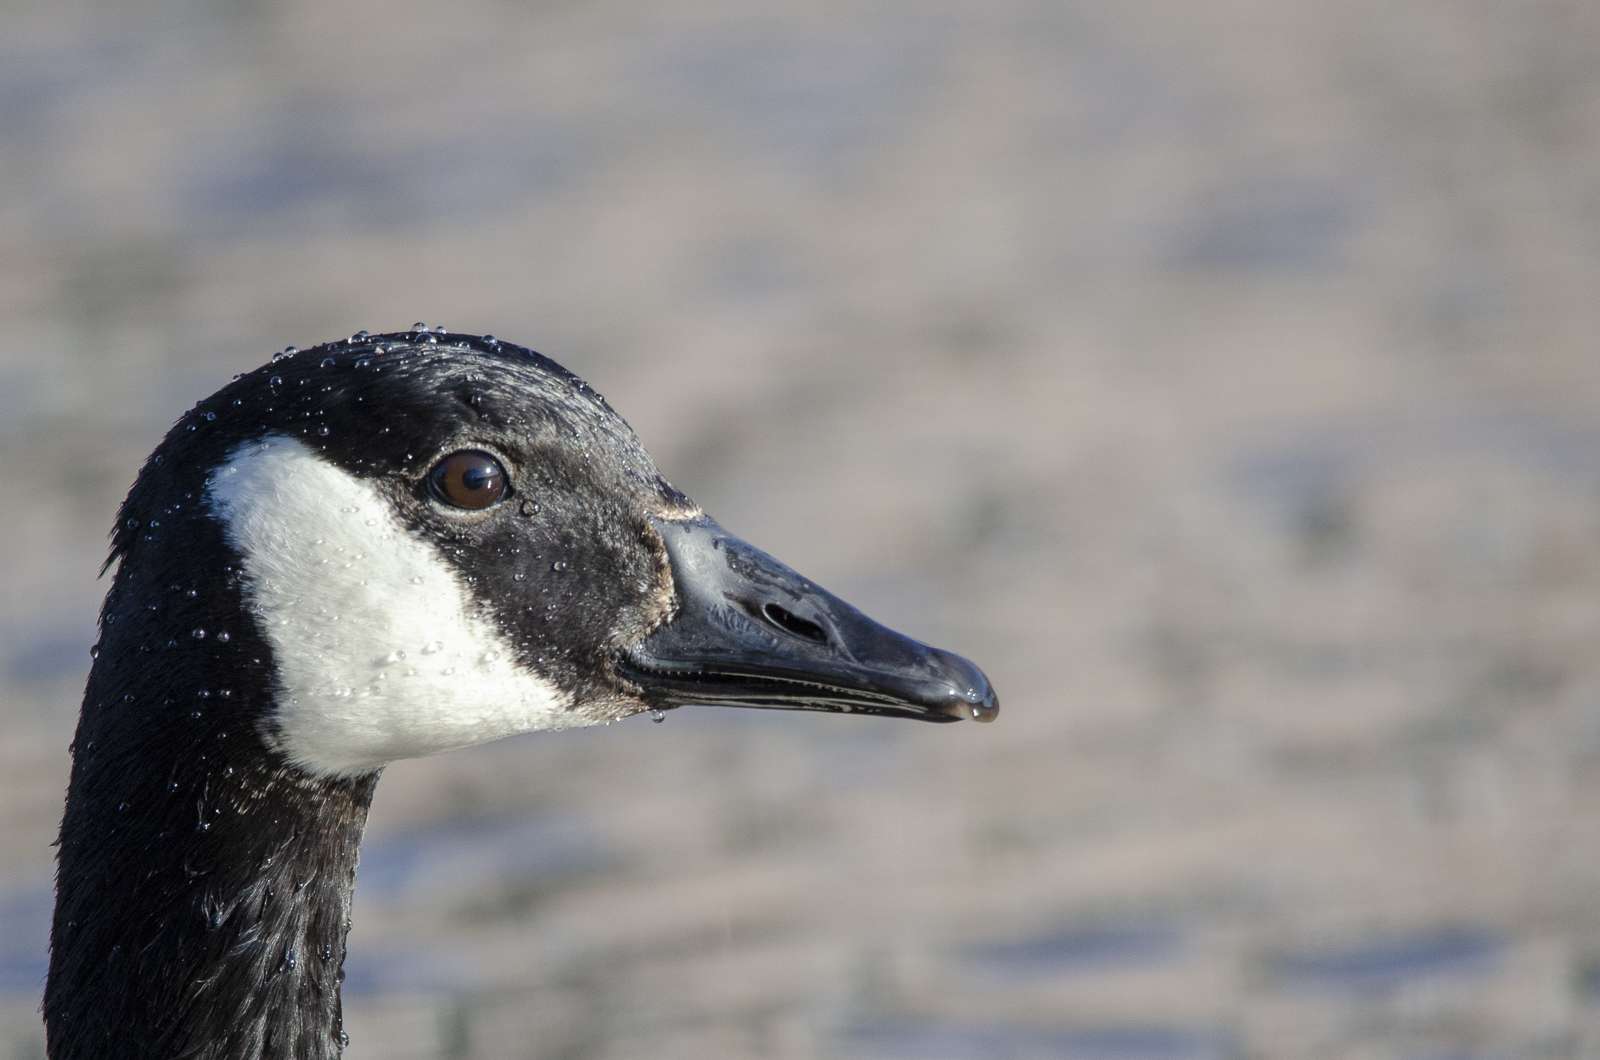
{"x":381,"y":548}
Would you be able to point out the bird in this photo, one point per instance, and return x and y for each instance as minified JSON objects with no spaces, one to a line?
{"x":380,"y":548}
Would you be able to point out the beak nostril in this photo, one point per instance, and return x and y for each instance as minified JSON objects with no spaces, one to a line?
{"x":790,"y":622}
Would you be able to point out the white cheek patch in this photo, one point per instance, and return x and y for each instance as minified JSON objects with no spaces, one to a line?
{"x":380,"y":653}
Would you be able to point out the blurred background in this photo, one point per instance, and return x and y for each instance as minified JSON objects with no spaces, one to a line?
{"x":1222,"y":376}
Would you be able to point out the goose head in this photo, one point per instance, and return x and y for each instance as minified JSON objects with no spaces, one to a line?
{"x":445,"y":542}
{"x":377,"y":549}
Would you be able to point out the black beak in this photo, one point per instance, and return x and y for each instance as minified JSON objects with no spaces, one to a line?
{"x":750,"y":632}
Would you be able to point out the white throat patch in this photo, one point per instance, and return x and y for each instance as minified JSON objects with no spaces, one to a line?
{"x":380,"y":652}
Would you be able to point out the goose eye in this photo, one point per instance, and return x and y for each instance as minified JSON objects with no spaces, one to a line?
{"x":470,"y":480}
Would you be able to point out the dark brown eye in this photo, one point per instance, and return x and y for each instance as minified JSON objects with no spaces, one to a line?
{"x":470,"y":480}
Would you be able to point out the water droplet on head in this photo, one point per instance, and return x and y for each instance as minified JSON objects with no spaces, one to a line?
{"x":417,"y":580}
{"x":432,"y":647}
{"x":491,"y":656}
{"x":518,"y":576}
{"x":275,"y":381}
{"x":94,"y":652}
{"x":559,"y":565}
{"x":419,"y":326}
{"x":658,"y":716}
{"x":197,"y":634}
{"x":396,"y":655}
{"x":223,"y":637}
{"x":322,"y":432}
{"x":210,"y":416}
{"x":440,"y":329}
{"x":327,"y":362}
{"x":361,"y":336}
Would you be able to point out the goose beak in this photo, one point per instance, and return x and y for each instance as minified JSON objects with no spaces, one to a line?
{"x":750,"y":632}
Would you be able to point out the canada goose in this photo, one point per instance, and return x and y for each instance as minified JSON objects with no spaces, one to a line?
{"x":382,"y":548}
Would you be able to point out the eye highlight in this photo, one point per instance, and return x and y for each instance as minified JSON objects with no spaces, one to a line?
{"x":470,"y":479}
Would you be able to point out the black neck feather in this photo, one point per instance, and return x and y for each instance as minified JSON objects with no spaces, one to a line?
{"x":203,"y":889}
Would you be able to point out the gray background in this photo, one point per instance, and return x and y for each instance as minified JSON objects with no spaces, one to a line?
{"x":1221,"y":376}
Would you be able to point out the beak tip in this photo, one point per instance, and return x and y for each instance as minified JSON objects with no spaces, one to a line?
{"x":978,"y":704}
